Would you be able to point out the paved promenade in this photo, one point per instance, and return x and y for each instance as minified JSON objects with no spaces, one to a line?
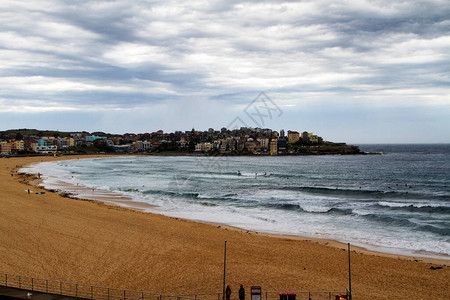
{"x":14,"y":293}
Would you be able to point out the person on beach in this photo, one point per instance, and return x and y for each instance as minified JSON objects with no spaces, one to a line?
{"x":228,"y":293}
{"x":241,"y":293}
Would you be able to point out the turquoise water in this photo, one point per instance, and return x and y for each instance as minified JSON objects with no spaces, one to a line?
{"x":398,"y":202}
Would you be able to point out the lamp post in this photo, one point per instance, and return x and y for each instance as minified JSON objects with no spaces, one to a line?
{"x":349,"y":274}
{"x":224,"y":269}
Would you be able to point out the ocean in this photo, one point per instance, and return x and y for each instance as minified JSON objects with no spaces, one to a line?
{"x":397,"y":202}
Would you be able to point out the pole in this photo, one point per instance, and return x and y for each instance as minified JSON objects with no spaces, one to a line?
{"x":349,"y":274}
{"x":224,"y":269}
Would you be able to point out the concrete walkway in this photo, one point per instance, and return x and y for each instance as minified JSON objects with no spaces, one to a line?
{"x":15,"y":293}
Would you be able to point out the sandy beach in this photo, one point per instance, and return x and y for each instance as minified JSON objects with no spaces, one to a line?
{"x":90,"y":242}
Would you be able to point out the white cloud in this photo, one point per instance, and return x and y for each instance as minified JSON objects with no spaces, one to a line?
{"x":125,"y":54}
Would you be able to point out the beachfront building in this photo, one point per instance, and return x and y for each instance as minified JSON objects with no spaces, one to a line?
{"x":65,"y":142}
{"x":17,"y":146}
{"x":45,"y":149}
{"x":314,"y":139}
{"x":203,"y":147}
{"x":282,"y":145}
{"x":70,"y":141}
{"x":142,"y":146}
{"x":123,"y":149}
{"x":206,"y":147}
{"x":264,"y":142}
{"x":45,"y":141}
{"x":274,"y":146}
{"x":29,"y":144}
{"x":305,"y":136}
{"x":5,"y":148}
{"x":293,"y":137}
{"x":78,"y":138}
{"x":252,"y":146}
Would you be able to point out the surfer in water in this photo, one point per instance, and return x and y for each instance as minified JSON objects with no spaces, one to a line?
{"x":239,"y":173}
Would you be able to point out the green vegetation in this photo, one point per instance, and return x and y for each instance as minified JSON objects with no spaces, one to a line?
{"x":36,"y":132}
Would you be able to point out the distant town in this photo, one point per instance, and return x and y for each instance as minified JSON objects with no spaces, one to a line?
{"x":242,"y":141}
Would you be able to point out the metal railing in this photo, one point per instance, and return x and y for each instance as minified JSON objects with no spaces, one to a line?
{"x":79,"y":290}
{"x":275,"y":295}
{"x":98,"y":292}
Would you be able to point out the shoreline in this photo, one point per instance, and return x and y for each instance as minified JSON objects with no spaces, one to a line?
{"x":111,"y":198}
{"x":90,"y":242}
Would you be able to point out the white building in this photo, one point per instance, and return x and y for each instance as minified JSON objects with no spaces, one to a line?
{"x":45,"y":149}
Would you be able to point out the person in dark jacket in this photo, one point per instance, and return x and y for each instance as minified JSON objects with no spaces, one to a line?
{"x":228,"y":293}
{"x":241,"y":293}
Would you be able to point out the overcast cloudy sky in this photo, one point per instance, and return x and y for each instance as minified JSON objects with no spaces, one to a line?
{"x":354,"y":71}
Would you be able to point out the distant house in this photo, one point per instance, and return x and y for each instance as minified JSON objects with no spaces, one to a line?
{"x":122,"y":149}
{"x":45,"y":149}
{"x":293,"y":137}
{"x":17,"y":146}
{"x":142,"y":146}
{"x":62,"y":143}
{"x":44,"y":142}
{"x":91,"y":138}
{"x":282,"y":144}
{"x":264,"y":142}
{"x":5,"y":148}
{"x":203,"y":147}
{"x":274,"y":146}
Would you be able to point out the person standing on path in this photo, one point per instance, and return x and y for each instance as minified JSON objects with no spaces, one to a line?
{"x":228,"y":293}
{"x":241,"y":293}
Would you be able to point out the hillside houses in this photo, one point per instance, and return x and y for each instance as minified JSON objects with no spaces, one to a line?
{"x":252,"y":141}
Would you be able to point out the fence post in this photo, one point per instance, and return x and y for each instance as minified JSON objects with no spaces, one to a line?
{"x":142,"y":295}
{"x":19,"y":282}
{"x":124,"y":293}
{"x":60,"y":287}
{"x":92,"y":294}
{"x":46,"y":285}
{"x":76,"y":289}
{"x":108,"y":293}
{"x":349,"y":274}
{"x":6,"y":279}
{"x":32,"y":286}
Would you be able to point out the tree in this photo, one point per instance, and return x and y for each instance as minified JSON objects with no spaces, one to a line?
{"x":101,"y":145}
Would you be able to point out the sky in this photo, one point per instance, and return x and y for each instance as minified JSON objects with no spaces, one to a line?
{"x":349,"y":71}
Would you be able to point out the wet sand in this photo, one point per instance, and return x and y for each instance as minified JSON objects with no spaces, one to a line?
{"x":84,"y":193}
{"x":51,"y":236}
